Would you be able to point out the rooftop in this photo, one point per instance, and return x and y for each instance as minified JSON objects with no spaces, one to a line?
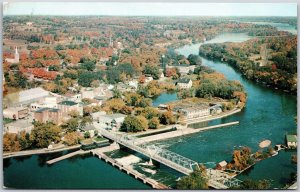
{"x":184,"y":80}
{"x":45,"y":109}
{"x":291,"y":138}
{"x":69,"y":103}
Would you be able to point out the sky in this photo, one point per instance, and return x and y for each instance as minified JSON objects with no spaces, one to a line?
{"x":150,"y":9}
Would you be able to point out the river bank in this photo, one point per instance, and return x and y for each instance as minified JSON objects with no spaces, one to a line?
{"x":38,"y":151}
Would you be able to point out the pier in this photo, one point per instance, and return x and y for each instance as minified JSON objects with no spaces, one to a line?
{"x":79,"y":152}
{"x":154,"y":184}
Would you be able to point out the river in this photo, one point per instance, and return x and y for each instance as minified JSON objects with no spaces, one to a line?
{"x":269,"y":114}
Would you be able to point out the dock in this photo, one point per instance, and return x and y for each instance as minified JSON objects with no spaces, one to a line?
{"x":79,"y":152}
{"x":154,"y":184}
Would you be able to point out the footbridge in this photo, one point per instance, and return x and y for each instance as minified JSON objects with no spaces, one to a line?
{"x":216,"y":179}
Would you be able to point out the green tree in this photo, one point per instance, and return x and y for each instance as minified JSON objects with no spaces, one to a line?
{"x":196,"y":180}
{"x":153,"y":70}
{"x":71,"y":125}
{"x":87,"y":135}
{"x":45,"y":133}
{"x":131,"y":124}
{"x":167,"y":118}
{"x":117,"y":93}
{"x":194,"y":59}
{"x":153,"y":123}
{"x":24,"y":140}
{"x":72,"y":138}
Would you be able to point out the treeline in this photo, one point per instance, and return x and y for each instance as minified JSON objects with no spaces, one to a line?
{"x":280,"y":74}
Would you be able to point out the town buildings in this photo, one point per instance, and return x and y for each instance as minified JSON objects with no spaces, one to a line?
{"x":15,"y":113}
{"x":67,"y":106}
{"x":184,"y":83}
{"x":25,"y":97}
{"x":45,"y":115}
{"x":18,"y":126}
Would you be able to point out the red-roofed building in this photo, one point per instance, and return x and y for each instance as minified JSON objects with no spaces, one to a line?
{"x":40,"y":73}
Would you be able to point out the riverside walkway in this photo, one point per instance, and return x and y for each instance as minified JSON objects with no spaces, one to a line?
{"x":154,"y":184}
{"x":37,"y":151}
{"x":181,"y":131}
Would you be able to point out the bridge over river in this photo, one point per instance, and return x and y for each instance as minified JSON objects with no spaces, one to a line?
{"x":216,"y":178}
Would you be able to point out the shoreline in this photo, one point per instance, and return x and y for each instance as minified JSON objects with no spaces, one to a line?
{"x":38,"y":151}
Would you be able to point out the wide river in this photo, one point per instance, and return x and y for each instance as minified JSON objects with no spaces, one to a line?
{"x":269,"y":114}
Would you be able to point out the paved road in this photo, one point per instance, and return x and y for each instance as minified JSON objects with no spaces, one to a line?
{"x":37,"y":151}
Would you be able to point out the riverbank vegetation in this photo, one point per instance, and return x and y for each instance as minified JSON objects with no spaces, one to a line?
{"x":271,"y":61}
{"x":196,"y":180}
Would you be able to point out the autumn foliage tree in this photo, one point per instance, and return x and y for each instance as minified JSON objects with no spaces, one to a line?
{"x":10,"y":142}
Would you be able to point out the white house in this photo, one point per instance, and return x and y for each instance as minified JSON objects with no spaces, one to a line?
{"x":291,"y":141}
{"x":148,"y":79}
{"x":184,"y":83}
{"x":133,"y":83}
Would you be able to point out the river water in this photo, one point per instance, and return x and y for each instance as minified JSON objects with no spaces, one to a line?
{"x":269,"y":114}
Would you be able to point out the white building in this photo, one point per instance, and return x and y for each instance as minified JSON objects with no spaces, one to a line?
{"x":112,"y":121}
{"x":15,"y":112}
{"x":16,"y":59}
{"x":67,"y":106}
{"x":133,"y":83}
{"x":197,"y":111}
{"x":18,"y":126}
{"x":184,"y":83}
{"x":26,"y":96}
{"x":148,"y":79}
{"x":47,"y":102}
{"x":183,"y":69}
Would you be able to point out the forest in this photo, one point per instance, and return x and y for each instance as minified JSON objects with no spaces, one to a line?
{"x":279,"y":72}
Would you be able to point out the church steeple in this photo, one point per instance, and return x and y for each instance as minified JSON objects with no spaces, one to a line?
{"x":17,"y":57}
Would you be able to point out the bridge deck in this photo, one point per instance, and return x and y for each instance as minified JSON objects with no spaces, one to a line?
{"x":129,"y":170}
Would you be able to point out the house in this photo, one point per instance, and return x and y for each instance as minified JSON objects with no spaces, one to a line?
{"x":48,"y":115}
{"x":197,"y":111}
{"x":67,"y":106}
{"x":215,"y":109}
{"x":184,"y":83}
{"x":133,"y":83}
{"x":15,"y":112}
{"x":161,"y":76}
{"x":18,"y":126}
{"x":183,"y":69}
{"x":71,"y":96}
{"x":222,"y":165}
{"x":291,"y":141}
{"x":112,"y":121}
{"x":148,"y":78}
